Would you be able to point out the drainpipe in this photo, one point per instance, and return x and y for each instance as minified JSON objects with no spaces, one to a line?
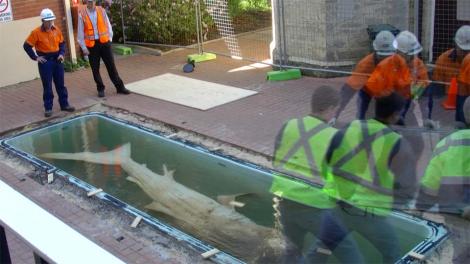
{"x":71,"y":38}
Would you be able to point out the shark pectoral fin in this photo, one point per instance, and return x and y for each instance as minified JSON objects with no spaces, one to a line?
{"x":133,"y":179}
{"x":229,"y":200}
{"x":158,"y":207}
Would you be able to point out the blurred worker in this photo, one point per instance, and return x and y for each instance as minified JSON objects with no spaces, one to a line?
{"x":49,"y":44}
{"x":446,"y":183}
{"x":383,"y":48}
{"x":364,"y":167}
{"x":299,"y":152}
{"x":403,"y":73}
{"x":462,"y":39}
{"x":448,"y":63}
{"x":94,"y":36}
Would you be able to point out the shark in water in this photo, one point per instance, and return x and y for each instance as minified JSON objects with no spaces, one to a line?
{"x":195,"y":212}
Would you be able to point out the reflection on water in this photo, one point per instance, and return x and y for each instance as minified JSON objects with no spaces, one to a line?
{"x":194,"y":170}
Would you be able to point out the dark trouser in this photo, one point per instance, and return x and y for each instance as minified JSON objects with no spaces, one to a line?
{"x":459,"y":115}
{"x":52,"y":70}
{"x":363,"y":101}
{"x":376,"y":229}
{"x":104,"y":51}
{"x":298,"y":220}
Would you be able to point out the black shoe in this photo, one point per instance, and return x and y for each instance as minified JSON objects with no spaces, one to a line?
{"x":48,"y":113}
{"x":101,"y":94}
{"x":123,"y":91}
{"x":68,"y":108}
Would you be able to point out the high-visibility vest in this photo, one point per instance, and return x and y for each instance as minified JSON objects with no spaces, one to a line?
{"x":300,"y":153}
{"x":101,"y":23}
{"x":358,"y":172}
{"x":448,"y":173}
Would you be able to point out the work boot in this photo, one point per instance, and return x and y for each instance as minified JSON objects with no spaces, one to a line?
{"x":48,"y":113}
{"x":123,"y":91}
{"x":68,"y":108}
{"x":101,"y":94}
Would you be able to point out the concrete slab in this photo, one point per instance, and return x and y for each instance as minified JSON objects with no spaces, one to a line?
{"x":188,"y":91}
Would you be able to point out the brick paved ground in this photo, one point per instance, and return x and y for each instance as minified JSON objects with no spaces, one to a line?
{"x":251,"y":123}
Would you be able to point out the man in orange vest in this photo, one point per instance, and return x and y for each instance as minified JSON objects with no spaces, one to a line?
{"x":403,"y":73}
{"x":383,"y":48}
{"x":94,"y":36}
{"x":449,"y":64}
{"x":49,"y":44}
{"x":462,"y":40}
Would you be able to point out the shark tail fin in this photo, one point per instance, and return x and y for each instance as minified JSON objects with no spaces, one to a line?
{"x":116,"y":156}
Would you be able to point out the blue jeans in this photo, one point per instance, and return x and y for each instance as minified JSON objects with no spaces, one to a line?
{"x":52,"y":70}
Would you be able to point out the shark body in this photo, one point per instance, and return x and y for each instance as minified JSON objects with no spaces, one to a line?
{"x":193,"y":211}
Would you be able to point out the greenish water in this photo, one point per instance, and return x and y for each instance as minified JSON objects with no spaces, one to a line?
{"x":207,"y":174}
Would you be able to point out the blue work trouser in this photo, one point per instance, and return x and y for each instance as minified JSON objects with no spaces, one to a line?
{"x":298,"y":220}
{"x":376,"y":229}
{"x":53,"y":70}
{"x":459,"y":115}
{"x":363,"y":101}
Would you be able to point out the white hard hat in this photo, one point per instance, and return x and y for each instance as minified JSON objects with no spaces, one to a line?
{"x":383,"y":43}
{"x":462,"y":37}
{"x":47,"y":15}
{"x":407,"y":43}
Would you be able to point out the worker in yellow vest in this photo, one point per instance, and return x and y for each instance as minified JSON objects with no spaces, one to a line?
{"x":299,"y":152}
{"x":363,"y":164}
{"x":94,"y":35}
{"x":446,"y":183}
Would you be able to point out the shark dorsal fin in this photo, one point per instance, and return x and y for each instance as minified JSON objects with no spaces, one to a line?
{"x":168,"y":173}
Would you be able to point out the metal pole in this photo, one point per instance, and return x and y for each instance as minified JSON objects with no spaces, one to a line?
{"x":284,"y":39}
{"x":4,"y":252}
{"x":278,"y":32}
{"x":122,"y":24}
{"x":416,"y":18}
{"x":198,"y":26}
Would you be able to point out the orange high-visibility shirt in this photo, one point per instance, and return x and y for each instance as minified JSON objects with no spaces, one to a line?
{"x":447,"y":67}
{"x":362,"y":72}
{"x":464,"y":77}
{"x":393,"y":74}
{"x":45,"y":41}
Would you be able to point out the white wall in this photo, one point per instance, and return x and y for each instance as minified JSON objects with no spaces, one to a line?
{"x":15,"y":64}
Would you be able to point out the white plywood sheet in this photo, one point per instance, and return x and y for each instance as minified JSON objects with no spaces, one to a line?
{"x":187,"y":91}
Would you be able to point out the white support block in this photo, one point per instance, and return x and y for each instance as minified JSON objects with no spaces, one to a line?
{"x":210,"y":253}
{"x":50,"y":177}
{"x":136,"y":221}
{"x":171,"y":135}
{"x":94,"y":192}
{"x":416,"y":255}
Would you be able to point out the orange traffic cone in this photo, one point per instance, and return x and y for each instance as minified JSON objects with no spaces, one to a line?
{"x":449,"y":103}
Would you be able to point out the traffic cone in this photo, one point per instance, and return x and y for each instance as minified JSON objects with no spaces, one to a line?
{"x":449,"y":103}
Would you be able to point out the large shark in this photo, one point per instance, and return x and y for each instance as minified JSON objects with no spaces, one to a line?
{"x":192,"y":211}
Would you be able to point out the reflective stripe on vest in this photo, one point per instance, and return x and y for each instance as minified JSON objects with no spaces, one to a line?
{"x":449,"y":164}
{"x":302,"y":146}
{"x":296,"y":138}
{"x":89,"y":31}
{"x":362,"y":160}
